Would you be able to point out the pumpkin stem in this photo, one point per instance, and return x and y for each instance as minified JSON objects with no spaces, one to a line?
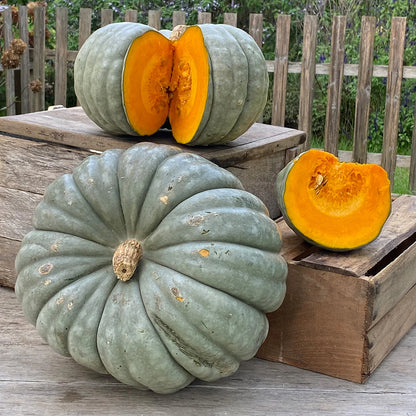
{"x":125,"y":259}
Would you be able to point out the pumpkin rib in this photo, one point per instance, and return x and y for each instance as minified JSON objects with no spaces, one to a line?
{"x":257,"y":86}
{"x":56,"y":309}
{"x":216,"y":273}
{"x":172,"y":378}
{"x":228,"y":71}
{"x":81,"y":331}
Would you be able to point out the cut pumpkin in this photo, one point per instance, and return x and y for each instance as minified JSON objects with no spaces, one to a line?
{"x":335,"y":205}
{"x":209,"y":81}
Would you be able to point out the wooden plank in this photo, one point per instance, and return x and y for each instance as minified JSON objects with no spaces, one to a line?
{"x":333,"y":109}
{"x":178,"y":18}
{"x":255,"y":28}
{"x":131,"y":16}
{"x":412,"y":172}
{"x":106,"y":17}
{"x":204,"y":17}
{"x":8,"y":249}
{"x":401,"y":160}
{"x":362,"y":101}
{"x":9,"y":73}
{"x":38,"y":97}
{"x":84,"y":30}
{"x":395,"y":280}
{"x":72,"y":127}
{"x":316,"y":328}
{"x":307,"y":78}
{"x":384,"y":336}
{"x":154,"y":19}
{"x":394,"y":82}
{"x":359,"y":262}
{"x":230,"y":19}
{"x":30,"y":166}
{"x":280,"y":69}
{"x":24,"y":62}
{"x":60,"y":57}
{"x":379,"y":71}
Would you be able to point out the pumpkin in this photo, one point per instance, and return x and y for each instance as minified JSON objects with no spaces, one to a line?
{"x":209,"y":81}
{"x":335,"y":205}
{"x":153,"y":265}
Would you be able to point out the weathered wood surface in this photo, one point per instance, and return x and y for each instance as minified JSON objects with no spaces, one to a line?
{"x":34,"y":380}
{"x":344,"y":312}
{"x":71,"y":126}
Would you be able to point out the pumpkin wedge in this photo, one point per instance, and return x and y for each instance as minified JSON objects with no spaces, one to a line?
{"x":335,"y":205}
{"x":209,"y":81}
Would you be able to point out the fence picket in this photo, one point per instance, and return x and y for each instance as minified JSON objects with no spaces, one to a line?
{"x":230,"y":19}
{"x":130,"y":16}
{"x":38,"y":97}
{"x":10,"y":84}
{"x":178,"y":18}
{"x":362,"y":101}
{"x":412,"y":170}
{"x":255,"y":28}
{"x":154,"y":19}
{"x":280,"y":69}
{"x":106,"y":17}
{"x":307,"y":77}
{"x":24,"y":62}
{"x":204,"y":17}
{"x":394,"y":82}
{"x":60,"y":55}
{"x":336,"y":73}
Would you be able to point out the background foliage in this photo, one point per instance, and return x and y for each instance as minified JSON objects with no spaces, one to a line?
{"x":383,"y":10}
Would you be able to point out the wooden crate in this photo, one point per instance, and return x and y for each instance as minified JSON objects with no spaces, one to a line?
{"x":38,"y":147}
{"x":344,"y":312}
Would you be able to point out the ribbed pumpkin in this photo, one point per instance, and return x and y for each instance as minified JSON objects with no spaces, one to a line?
{"x":335,"y":205}
{"x":153,"y":265}
{"x":210,"y":81}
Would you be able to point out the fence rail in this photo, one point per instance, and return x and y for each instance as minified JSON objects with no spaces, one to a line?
{"x":33,"y":68}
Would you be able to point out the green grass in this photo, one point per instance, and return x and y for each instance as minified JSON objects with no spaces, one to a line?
{"x":401,"y":181}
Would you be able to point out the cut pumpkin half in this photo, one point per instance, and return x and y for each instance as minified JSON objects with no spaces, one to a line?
{"x":335,"y":205}
{"x":210,"y":82}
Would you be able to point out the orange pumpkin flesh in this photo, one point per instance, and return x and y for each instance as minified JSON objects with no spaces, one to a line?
{"x":336,"y":205}
{"x":173,"y":82}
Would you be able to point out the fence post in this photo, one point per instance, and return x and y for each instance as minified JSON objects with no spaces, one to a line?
{"x":106,"y":17}
{"x":255,"y":28}
{"x":280,"y":69}
{"x":230,"y":19}
{"x":10,"y":85}
{"x":24,"y":62}
{"x":84,"y":26}
{"x":38,"y":95}
{"x":362,"y":100}
{"x":412,"y":170}
{"x":178,"y":18}
{"x":204,"y":17}
{"x":61,"y":55}
{"x":336,"y":73}
{"x":394,"y":83}
{"x":131,"y":16}
{"x":154,"y":19}
{"x":307,"y":77}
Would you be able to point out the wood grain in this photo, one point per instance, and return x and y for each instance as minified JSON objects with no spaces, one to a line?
{"x":230,"y":19}
{"x":154,"y":19}
{"x":106,"y":17}
{"x":393,"y":89}
{"x":60,"y":57}
{"x":24,"y":62}
{"x":363,"y":95}
{"x":38,"y":98}
{"x":9,"y":73}
{"x":336,"y":73}
{"x":178,"y":18}
{"x":281,"y":61}
{"x":35,"y":380}
{"x":307,"y":78}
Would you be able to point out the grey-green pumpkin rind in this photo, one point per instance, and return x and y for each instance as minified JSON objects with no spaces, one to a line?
{"x":195,"y":306}
{"x":237,"y":85}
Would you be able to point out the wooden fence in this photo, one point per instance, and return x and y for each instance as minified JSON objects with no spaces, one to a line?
{"x":33,"y":67}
